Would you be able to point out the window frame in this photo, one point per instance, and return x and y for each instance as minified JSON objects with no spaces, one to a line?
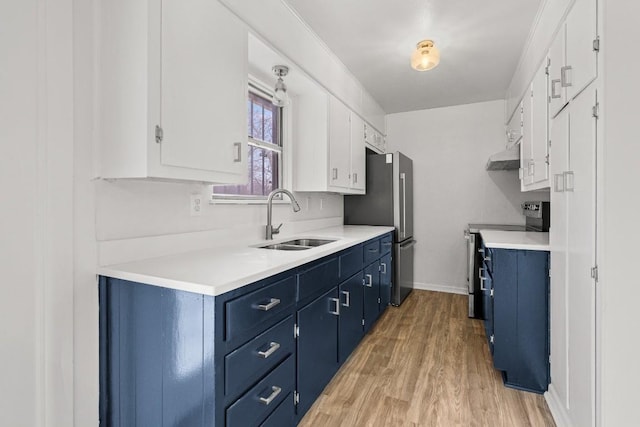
{"x":257,"y":87}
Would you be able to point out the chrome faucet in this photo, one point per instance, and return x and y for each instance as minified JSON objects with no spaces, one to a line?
{"x":271,"y":230}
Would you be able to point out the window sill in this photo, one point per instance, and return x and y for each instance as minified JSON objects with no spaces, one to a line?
{"x":216,"y":201}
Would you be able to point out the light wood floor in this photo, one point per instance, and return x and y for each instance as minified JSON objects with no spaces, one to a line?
{"x":425,"y":364}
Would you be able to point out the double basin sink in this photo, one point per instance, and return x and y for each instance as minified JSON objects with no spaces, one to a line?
{"x":297,"y":244}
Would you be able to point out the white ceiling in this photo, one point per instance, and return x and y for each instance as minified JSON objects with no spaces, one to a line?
{"x":480,"y":44}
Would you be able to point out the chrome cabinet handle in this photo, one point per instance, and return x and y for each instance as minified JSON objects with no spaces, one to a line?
{"x":369,"y":284}
{"x":335,"y":173}
{"x":555,"y":95}
{"x":481,"y":250}
{"x":347,"y":299}
{"x":273,"y":347}
{"x":335,"y":312}
{"x":568,"y":181}
{"x":266,"y":307}
{"x":563,"y":76}
{"x":275,"y":391}
{"x":487,"y":258}
{"x":558,"y":183}
{"x":383,"y":267}
{"x":238,"y":148}
{"x":482,"y":279}
{"x":355,"y":178}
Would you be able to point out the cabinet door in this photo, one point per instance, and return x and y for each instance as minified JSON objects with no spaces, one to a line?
{"x":486,"y":284}
{"x":540,"y":124}
{"x":582,"y":30}
{"x":371,"y":295}
{"x":358,"y":166}
{"x":339,"y":144}
{"x":526,"y":144}
{"x":514,"y":127}
{"x":204,"y":88}
{"x":317,"y":347}
{"x":505,"y":299}
{"x":557,"y":60}
{"x":386,"y":273}
{"x":351,"y":311}
{"x":581,"y":225}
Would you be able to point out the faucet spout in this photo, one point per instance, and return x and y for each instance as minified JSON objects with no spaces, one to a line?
{"x":270,"y":229}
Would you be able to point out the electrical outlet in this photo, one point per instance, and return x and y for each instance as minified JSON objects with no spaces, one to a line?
{"x":195,"y":206}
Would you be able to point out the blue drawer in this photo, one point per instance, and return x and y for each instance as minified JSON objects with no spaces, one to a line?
{"x":386,"y":243}
{"x":259,"y":309}
{"x":371,"y":251}
{"x":257,"y":403}
{"x":318,"y":278}
{"x":283,"y":415}
{"x":350,"y":262}
{"x":250,"y":362}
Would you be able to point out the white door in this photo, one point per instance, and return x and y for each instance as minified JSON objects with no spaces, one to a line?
{"x":539,"y":131}
{"x":339,"y":144}
{"x":558,"y":236}
{"x":557,"y":60}
{"x":204,"y":88}
{"x":581,"y":192}
{"x":582,"y":30}
{"x":358,"y":159}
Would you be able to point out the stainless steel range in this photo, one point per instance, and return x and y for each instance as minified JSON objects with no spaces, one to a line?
{"x":537,"y":219}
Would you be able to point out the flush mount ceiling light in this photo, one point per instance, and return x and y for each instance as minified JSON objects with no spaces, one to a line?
{"x":426,"y":56}
{"x":280,"y":97}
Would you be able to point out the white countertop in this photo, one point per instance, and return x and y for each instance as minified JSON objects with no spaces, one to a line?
{"x":526,"y":240}
{"x":219,"y":270}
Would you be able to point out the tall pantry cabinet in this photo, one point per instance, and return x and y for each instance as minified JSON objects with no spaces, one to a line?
{"x":573,"y":111}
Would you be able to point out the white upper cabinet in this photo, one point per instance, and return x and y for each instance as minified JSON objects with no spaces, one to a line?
{"x":573,"y":55}
{"x":582,"y":46}
{"x":329,"y":152}
{"x":178,"y":109}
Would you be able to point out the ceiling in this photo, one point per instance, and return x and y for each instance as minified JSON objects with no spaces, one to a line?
{"x":480,"y":44}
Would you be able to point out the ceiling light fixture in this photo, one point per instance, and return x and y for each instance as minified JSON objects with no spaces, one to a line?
{"x":280,"y":97}
{"x":426,"y":56}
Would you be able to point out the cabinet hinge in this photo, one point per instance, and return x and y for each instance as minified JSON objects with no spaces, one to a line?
{"x":362,"y":322}
{"x":596,"y":44}
{"x":596,"y":110}
{"x":296,"y":398}
{"x":296,"y":330}
{"x":546,"y":69}
{"x":492,"y":339}
{"x":491,"y":292}
{"x":379,"y":300}
{"x":159,"y":134}
{"x":546,"y":158}
{"x":594,"y":273}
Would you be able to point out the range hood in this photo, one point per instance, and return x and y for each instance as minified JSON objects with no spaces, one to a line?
{"x":505,"y":160}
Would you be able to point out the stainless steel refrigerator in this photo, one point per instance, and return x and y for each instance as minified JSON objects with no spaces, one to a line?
{"x":389,"y":201}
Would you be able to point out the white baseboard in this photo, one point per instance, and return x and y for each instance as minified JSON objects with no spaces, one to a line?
{"x":559,"y":413}
{"x":440,"y":288}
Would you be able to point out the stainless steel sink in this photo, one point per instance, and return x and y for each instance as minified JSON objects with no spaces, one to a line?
{"x":297,"y":244}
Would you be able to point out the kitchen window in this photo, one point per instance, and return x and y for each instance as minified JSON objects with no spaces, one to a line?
{"x":264,"y":157}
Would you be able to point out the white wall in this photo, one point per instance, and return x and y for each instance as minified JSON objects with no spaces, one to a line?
{"x":450,"y":147}
{"x":36,"y":220}
{"x":618,"y":206}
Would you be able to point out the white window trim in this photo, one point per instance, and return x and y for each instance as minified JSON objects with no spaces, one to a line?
{"x":286,"y":162}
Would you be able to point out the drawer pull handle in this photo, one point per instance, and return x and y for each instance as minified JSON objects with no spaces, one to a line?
{"x":275,"y":391}
{"x":372,"y":250}
{"x":386,"y":243}
{"x":347,"y":298}
{"x":273,"y":347}
{"x":487,"y":258}
{"x":266,"y":307}
{"x":369,"y":283}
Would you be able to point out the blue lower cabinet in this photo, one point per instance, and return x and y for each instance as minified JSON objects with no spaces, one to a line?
{"x":371,"y":287}
{"x":262,"y":399}
{"x":283,"y":416}
{"x":521,"y":318}
{"x":317,"y":347}
{"x":385,"y":281}
{"x":351,"y":329}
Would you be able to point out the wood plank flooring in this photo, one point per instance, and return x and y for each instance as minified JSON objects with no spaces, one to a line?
{"x":425,"y":364}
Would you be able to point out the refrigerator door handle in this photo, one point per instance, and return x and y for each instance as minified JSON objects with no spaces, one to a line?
{"x":408,"y":244}
{"x":403,"y":214}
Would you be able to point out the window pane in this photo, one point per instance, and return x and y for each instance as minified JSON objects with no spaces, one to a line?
{"x":257,"y":118}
